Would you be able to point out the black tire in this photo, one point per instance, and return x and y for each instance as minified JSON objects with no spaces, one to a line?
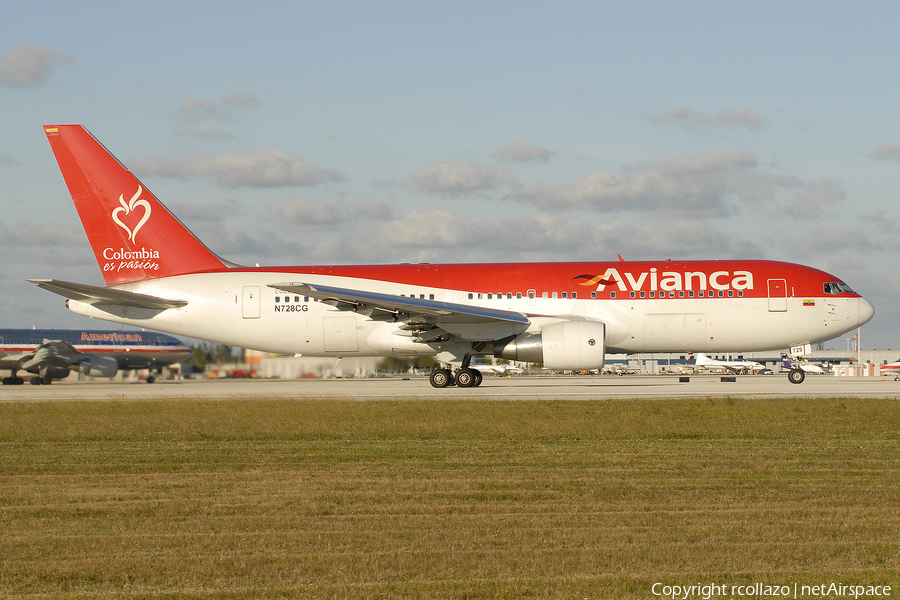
{"x":36,"y":380}
{"x":796,"y":376}
{"x":479,"y":377}
{"x":151,"y":379}
{"x":465,"y":377}
{"x":440,"y":378}
{"x":46,"y":380}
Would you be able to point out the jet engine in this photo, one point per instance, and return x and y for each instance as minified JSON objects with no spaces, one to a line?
{"x":574,"y":345}
{"x":99,"y":366}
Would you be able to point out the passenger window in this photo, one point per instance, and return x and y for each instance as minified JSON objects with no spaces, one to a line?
{"x":574,"y":294}
{"x":565,"y":294}
{"x":611,"y":294}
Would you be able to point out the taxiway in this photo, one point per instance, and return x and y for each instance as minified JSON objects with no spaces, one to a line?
{"x":511,"y":388}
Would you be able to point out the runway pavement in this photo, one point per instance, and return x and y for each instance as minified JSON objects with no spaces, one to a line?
{"x":512,"y":388}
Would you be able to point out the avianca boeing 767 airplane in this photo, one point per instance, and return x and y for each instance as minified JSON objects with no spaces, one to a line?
{"x":564,"y":315}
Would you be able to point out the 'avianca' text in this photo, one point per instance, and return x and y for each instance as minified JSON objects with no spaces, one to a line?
{"x":669,"y":281}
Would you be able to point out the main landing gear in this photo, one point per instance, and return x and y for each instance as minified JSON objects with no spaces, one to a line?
{"x":465,"y":377}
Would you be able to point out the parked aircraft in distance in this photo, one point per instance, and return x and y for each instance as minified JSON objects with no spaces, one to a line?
{"x":892,"y":369}
{"x":563,"y":315}
{"x":498,"y":369}
{"x":54,"y":353}
{"x":702,"y":361}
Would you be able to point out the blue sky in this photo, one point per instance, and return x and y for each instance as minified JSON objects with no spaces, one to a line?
{"x":347,"y":132}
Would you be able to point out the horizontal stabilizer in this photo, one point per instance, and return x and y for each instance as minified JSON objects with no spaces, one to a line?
{"x":92,"y":294}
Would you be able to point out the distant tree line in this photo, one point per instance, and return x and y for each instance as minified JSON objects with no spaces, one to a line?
{"x":206,"y":353}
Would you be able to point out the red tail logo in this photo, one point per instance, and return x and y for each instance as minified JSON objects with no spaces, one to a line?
{"x":128,"y":208}
{"x":99,"y":185}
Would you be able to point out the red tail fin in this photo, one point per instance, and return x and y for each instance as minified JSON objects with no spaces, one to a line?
{"x":134,"y":237}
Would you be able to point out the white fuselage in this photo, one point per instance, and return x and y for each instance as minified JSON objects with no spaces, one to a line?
{"x":240,"y":309}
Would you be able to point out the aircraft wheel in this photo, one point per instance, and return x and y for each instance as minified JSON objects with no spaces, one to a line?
{"x":440,"y":378}
{"x":36,"y":380}
{"x":796,"y":376}
{"x":46,"y":380}
{"x":479,"y":377}
{"x":150,"y":378}
{"x":465,"y":377}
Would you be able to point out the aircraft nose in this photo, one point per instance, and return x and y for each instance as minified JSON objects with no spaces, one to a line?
{"x":866,"y":311}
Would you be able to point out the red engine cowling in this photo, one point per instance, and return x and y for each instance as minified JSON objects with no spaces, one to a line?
{"x":567,"y":345}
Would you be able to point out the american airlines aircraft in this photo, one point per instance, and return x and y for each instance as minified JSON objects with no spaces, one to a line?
{"x":54,"y":353}
{"x":564,"y":315}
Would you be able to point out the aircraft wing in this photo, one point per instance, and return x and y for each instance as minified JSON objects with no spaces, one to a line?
{"x":14,"y":361}
{"x":52,"y":353}
{"x":92,"y":294}
{"x":415,"y":312}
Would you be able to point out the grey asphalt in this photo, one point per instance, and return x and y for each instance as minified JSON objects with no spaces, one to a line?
{"x":512,"y":388}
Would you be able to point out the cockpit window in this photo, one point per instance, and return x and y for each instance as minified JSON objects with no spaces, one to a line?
{"x":836,"y":288}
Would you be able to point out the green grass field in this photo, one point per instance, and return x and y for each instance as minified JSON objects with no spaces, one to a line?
{"x":448,"y":498}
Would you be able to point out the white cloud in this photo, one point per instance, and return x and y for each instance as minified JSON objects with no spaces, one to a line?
{"x":813,"y":199}
{"x":695,"y":182}
{"x":217,"y":212}
{"x":209,"y":135}
{"x":244,"y":101}
{"x":454,"y":178}
{"x":519,"y":151}
{"x":312,"y":231}
{"x":310,"y":211}
{"x":825,"y":240}
{"x":886,"y":152}
{"x":692,"y":119}
{"x":266,"y":167}
{"x":28,"y":66}
{"x":196,"y":110}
